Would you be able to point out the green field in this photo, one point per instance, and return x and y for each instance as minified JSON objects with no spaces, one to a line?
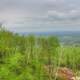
{"x":33,"y":57}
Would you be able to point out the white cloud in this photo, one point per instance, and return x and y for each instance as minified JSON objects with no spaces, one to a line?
{"x":39,"y":15}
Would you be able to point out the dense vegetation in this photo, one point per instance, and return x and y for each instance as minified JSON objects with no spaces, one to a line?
{"x":34,"y":57}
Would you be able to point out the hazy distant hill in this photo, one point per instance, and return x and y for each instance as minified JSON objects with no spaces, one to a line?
{"x":65,"y":37}
{"x":57,"y":33}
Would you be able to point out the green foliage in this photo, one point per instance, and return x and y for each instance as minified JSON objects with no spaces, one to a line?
{"x":24,"y":57}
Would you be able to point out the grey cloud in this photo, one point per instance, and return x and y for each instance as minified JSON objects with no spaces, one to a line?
{"x":37,"y":13}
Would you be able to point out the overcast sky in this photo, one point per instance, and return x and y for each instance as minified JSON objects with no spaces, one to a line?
{"x":40,"y":15}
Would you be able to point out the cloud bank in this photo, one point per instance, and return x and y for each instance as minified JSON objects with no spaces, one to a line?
{"x":40,"y":15}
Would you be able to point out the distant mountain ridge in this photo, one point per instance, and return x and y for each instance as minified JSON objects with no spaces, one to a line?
{"x":56,"y":33}
{"x":65,"y":37}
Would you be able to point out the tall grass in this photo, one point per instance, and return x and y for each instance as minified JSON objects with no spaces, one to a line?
{"x":34,"y":58}
{"x":70,"y":57}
